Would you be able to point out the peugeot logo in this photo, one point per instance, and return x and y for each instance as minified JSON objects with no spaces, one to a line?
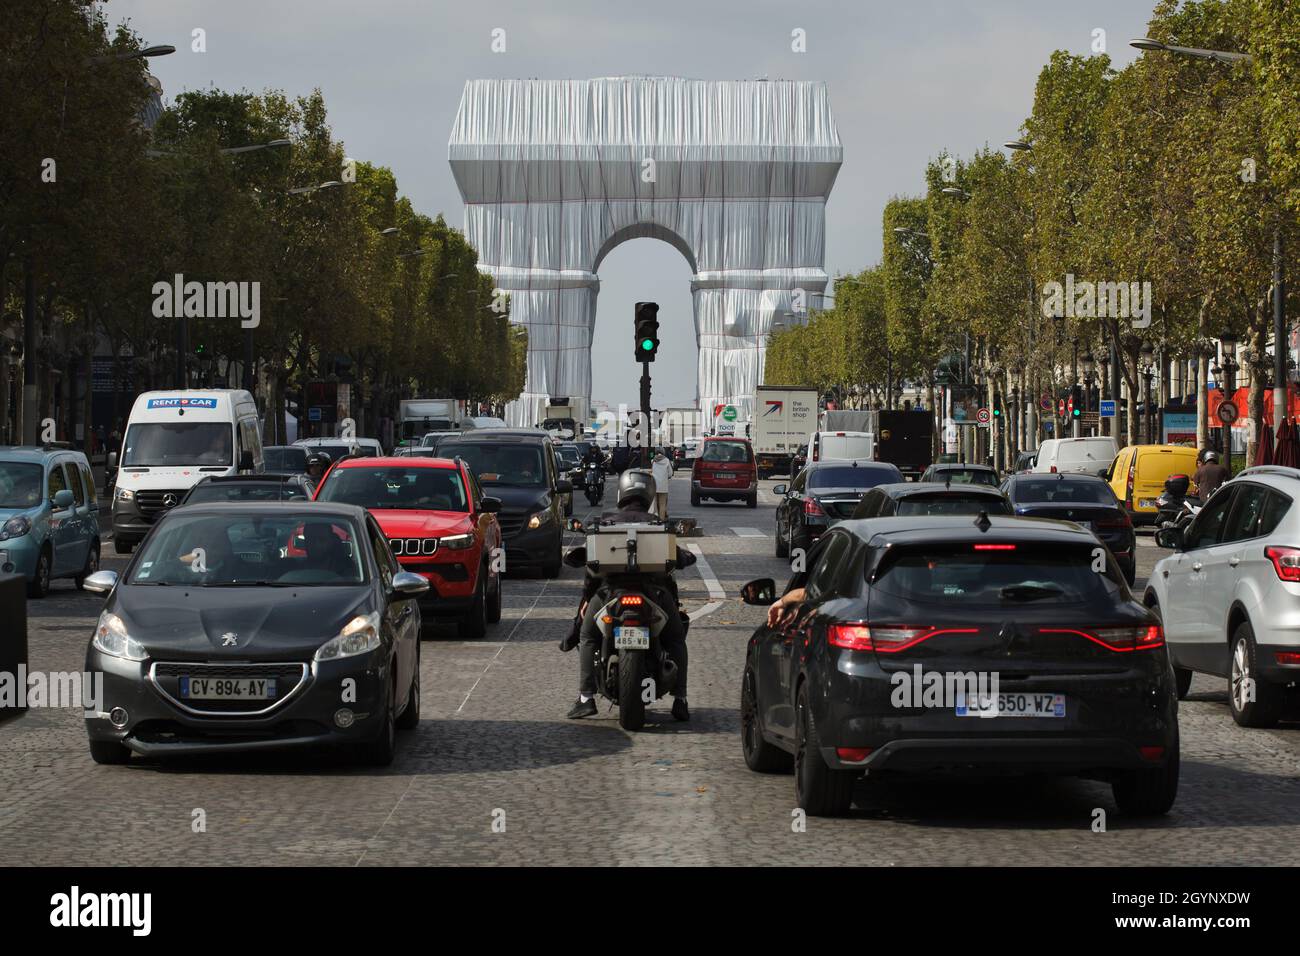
{"x":169,"y":500}
{"x":229,"y":639}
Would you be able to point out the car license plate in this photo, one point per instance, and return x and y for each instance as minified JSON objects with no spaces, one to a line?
{"x":227,"y":688}
{"x":1012,"y":705}
{"x":632,"y":638}
{"x":722,"y":476}
{"x":1147,"y":503}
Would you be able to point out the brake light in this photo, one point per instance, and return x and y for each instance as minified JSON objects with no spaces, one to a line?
{"x":853,"y":754}
{"x":811,"y":507}
{"x":1118,"y":639}
{"x":1152,"y":754}
{"x":995,"y":547}
{"x":1121,"y":522}
{"x":1053,"y":469}
{"x":631,"y":599}
{"x":886,"y":640}
{"x":1287,"y":657}
{"x":1286,"y":562}
{"x":1128,"y":493}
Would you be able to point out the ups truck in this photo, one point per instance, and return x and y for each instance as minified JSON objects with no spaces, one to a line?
{"x":904,"y":439}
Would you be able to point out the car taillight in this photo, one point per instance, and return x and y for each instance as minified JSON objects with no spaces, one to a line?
{"x":887,"y":639}
{"x":1121,"y":522}
{"x":811,"y":507}
{"x":853,"y":754}
{"x":1118,"y":639}
{"x":1053,"y":469}
{"x":1286,"y":562}
{"x":995,"y":547}
{"x":631,"y":600}
{"x":1128,"y":493}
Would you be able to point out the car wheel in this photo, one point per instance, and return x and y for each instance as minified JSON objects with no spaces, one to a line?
{"x":108,"y":752}
{"x":380,"y":751}
{"x":695,"y":498}
{"x":1131,"y":573}
{"x":92,"y":565}
{"x":760,"y":756}
{"x":1148,"y":792}
{"x":411,"y":716}
{"x":494,"y":602}
{"x":39,"y":585}
{"x":819,"y":790}
{"x":1182,"y":681}
{"x":798,"y":542}
{"x":752,"y":501}
{"x":782,"y":545}
{"x":1253,"y":702}
{"x":553,"y":563}
{"x":474,"y":624}
{"x":121,"y":546}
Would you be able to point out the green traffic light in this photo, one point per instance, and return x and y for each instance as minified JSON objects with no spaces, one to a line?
{"x":647,"y":345}
{"x":1076,"y":413}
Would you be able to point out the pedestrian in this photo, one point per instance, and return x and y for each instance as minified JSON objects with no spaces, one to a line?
{"x":1210,"y":475}
{"x":662,"y":470}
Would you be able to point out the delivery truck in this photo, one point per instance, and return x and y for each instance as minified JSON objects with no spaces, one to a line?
{"x":904,"y":439}
{"x":784,"y":417}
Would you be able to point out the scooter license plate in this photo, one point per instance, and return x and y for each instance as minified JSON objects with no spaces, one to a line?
{"x":632,"y":638}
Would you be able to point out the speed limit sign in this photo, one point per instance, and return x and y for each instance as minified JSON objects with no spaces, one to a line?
{"x":982,"y":416}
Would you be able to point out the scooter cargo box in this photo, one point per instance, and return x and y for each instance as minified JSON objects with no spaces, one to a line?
{"x":653,"y":546}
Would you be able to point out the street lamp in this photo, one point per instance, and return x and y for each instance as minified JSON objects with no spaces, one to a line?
{"x":161,"y":49}
{"x":1147,"y":365}
{"x":955,"y":191}
{"x":1218,"y":56}
{"x":1020,"y":145}
{"x":328,"y":184}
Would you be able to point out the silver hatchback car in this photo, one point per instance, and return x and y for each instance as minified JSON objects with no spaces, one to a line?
{"x":1229,"y":596}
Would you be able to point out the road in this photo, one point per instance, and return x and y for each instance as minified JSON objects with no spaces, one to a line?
{"x":494,"y":747}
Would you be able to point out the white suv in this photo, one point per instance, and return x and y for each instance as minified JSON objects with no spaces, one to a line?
{"x":1230,"y":595}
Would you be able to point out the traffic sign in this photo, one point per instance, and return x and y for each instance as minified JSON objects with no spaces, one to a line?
{"x":1228,"y":412}
{"x":729,"y":413}
{"x":1045,"y":403}
{"x":314,"y":413}
{"x":982,"y":416}
{"x":1106,"y":408}
{"x":1090,"y":420}
{"x":1070,"y":405}
{"x":1060,"y":408}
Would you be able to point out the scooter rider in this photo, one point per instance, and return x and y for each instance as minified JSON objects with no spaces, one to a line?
{"x":636,"y":495}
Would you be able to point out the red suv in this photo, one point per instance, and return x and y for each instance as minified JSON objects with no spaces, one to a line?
{"x":725,"y":471}
{"x":439,"y":525}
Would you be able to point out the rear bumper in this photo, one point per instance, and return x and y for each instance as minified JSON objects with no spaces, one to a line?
{"x":729,"y":492}
{"x":1063,"y":755}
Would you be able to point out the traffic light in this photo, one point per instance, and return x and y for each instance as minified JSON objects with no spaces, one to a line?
{"x":1077,"y":394}
{"x":997,"y":406}
{"x":647,"y":331}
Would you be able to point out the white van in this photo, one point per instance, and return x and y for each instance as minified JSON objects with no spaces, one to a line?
{"x":1091,"y":456}
{"x":842,"y":446}
{"x":173,"y":439}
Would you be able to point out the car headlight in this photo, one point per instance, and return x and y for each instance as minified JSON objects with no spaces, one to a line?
{"x":539,"y":519}
{"x":457,"y":542}
{"x":112,"y":639}
{"x":15,"y":527}
{"x":359,"y":636}
{"x":124,"y":494}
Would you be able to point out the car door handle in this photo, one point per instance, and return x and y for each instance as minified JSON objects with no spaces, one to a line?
{"x":1196,"y":566}
{"x":1234,"y":560}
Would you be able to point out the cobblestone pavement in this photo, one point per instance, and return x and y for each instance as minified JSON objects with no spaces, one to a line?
{"x":493,"y":744}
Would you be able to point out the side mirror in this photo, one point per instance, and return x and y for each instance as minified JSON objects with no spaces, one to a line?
{"x":407,"y":584}
{"x":111,"y":461}
{"x":564,"y":486}
{"x":101,"y":582}
{"x":576,"y":557}
{"x":63,"y":499}
{"x":245,"y":461}
{"x":490,"y":505}
{"x":1103,"y":473}
{"x":761,"y":592}
{"x":1170,"y":537}
{"x":780,"y":489}
{"x":575,"y":525}
{"x":685,"y":558}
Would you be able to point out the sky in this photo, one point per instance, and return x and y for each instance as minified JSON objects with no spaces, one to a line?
{"x":908,"y":79}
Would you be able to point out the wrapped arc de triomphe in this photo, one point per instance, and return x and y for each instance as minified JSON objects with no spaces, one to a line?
{"x":734,"y":174}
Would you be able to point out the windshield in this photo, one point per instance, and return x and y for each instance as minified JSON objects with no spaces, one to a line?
{"x":244,"y":491}
{"x":20,"y":484}
{"x":939,"y":504}
{"x":850,"y":477}
{"x":505,"y":464}
{"x":155,"y":444}
{"x":1065,"y":491}
{"x":1042,"y":574}
{"x":570,"y":457}
{"x":396,"y":487}
{"x":298,"y":549}
{"x":285,"y":460}
{"x":729,"y":451}
{"x":967,"y":476}
{"x":342,"y":451}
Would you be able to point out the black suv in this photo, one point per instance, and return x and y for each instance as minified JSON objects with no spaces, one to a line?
{"x":906,"y":498}
{"x":518,"y":466}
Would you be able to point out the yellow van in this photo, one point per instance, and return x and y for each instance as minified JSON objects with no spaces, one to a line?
{"x":1138,"y":473}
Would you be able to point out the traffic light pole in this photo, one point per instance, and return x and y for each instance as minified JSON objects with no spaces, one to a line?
{"x":645,"y":414}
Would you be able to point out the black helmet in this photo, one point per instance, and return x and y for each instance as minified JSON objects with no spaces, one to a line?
{"x":1211,"y":456}
{"x":636,"y":487}
{"x":319,"y":458}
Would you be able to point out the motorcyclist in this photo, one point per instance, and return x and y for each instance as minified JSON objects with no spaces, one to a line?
{"x":636,"y":495}
{"x":317,"y":464}
{"x":1210,"y":475}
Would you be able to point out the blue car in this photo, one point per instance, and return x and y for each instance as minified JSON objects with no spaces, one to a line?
{"x":49,"y":516}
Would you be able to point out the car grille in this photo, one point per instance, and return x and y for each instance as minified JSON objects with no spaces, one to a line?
{"x":511,"y":524}
{"x":413,"y":546}
{"x":150,"y":503}
{"x":289,"y":679}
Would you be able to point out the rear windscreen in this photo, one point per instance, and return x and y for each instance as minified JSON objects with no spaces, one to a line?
{"x":953,"y":504}
{"x":1063,"y":491}
{"x":998,"y":574}
{"x":974,"y":476}
{"x":850,"y":477}
{"x":729,"y":451}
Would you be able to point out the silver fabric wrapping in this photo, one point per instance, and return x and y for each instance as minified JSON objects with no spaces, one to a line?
{"x":734,"y":174}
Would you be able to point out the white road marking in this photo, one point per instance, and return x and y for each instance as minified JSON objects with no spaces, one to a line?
{"x":749,"y":533}
{"x":710,"y":581}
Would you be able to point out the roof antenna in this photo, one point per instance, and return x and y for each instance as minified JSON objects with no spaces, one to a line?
{"x":947,"y":482}
{"x":982,"y":522}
